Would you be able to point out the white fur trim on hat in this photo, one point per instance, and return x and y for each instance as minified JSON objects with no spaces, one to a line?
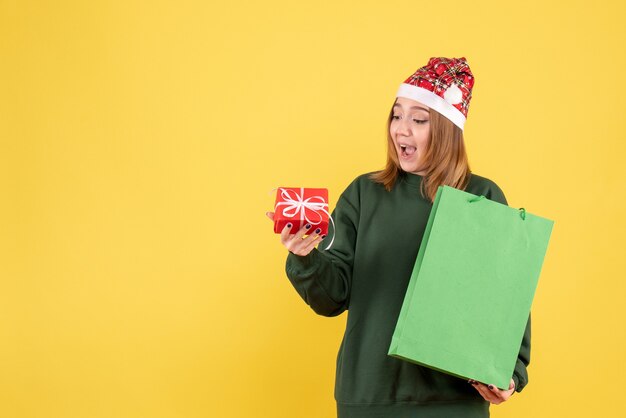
{"x":444,"y":106}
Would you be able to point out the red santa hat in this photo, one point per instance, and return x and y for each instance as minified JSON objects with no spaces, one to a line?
{"x":445,"y":85}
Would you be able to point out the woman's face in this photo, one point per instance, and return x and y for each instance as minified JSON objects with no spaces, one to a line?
{"x":409,"y":129}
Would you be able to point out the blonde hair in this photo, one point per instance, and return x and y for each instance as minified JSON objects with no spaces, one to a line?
{"x":445,"y":159}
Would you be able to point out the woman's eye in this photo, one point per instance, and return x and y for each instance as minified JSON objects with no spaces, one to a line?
{"x":418,"y":121}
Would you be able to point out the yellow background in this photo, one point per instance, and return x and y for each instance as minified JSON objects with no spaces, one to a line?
{"x":139,"y":276}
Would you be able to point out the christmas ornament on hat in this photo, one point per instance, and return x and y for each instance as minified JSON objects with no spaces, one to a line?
{"x":445,"y":85}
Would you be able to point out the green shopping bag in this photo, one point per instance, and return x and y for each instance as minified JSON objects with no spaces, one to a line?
{"x":469,"y":297}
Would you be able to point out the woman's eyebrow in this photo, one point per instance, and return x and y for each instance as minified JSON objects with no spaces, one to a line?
{"x":413,"y":107}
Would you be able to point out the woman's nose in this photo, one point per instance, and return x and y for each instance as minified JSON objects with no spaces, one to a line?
{"x":403,"y":127}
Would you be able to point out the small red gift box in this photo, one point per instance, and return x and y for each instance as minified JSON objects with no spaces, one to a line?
{"x":300,"y":205}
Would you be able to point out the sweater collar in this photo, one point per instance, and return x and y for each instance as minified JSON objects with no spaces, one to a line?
{"x":411,"y":178}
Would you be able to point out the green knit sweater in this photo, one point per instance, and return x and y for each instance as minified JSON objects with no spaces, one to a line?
{"x":366,"y":272}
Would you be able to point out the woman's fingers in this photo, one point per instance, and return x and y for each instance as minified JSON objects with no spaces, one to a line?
{"x":284,"y":234}
{"x":502,"y":395}
{"x":292,"y":240}
{"x":488,"y":394}
{"x":495,"y":392}
{"x":485,"y":392}
{"x":491,"y":393}
{"x":299,"y":245}
{"x":505,"y":394}
{"x":295,"y":242}
{"x":304,"y":230}
{"x":313,"y":243}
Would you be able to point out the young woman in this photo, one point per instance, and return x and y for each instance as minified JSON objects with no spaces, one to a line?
{"x":380,"y":219}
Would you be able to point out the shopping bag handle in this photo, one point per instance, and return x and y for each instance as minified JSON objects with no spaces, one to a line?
{"x":522,"y":211}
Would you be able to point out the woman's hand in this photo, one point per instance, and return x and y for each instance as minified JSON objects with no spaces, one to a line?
{"x":295,"y":243}
{"x":492,"y":393}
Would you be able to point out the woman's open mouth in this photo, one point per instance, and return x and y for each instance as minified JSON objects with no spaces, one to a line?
{"x":407,"y":151}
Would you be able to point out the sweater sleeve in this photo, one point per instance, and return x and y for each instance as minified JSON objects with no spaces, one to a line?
{"x":520,"y":372}
{"x":323,"y":277}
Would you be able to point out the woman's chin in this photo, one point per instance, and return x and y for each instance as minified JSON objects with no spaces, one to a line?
{"x":408,"y":167}
{"x":411,"y":168}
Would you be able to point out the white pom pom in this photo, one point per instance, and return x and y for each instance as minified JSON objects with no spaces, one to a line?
{"x":453,"y":94}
